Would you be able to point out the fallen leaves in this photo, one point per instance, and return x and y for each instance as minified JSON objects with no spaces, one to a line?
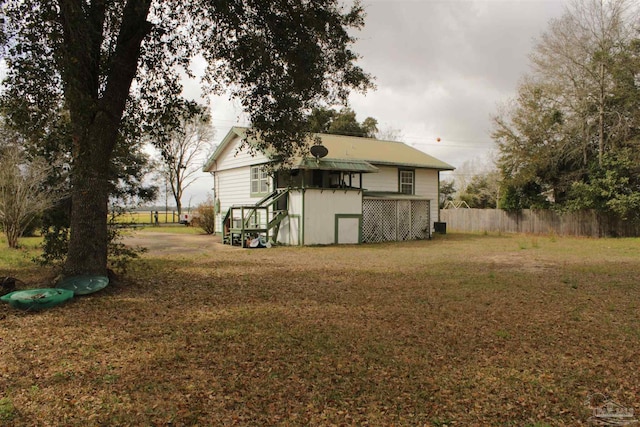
{"x":419,"y":333}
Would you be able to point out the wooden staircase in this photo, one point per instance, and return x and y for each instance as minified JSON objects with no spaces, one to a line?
{"x":244,"y":221}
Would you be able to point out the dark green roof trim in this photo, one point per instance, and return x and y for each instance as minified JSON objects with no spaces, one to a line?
{"x":336,"y":165}
{"x":391,"y":195}
{"x":439,"y":167}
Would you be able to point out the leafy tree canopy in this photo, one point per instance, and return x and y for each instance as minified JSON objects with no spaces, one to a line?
{"x":574,"y":128}
{"x":613,"y":188}
{"x":447,"y":191}
{"x":482,"y":191}
{"x":343,"y":122}
{"x":111,"y":61}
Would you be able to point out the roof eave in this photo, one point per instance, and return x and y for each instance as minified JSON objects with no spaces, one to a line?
{"x":350,"y":165}
{"x":233,"y":132}
{"x":443,"y":167}
{"x":390,"y":195}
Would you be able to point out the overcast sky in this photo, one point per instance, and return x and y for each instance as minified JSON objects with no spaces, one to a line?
{"x":441,"y":69}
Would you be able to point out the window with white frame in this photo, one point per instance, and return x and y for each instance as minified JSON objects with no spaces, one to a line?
{"x":407,"y":179}
{"x":259,"y":180}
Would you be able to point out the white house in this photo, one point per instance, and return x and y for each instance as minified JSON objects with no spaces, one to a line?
{"x":357,"y":190}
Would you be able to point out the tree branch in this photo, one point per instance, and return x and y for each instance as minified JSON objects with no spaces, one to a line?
{"x":124,"y":63}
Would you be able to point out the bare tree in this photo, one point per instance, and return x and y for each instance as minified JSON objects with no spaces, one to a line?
{"x":183,"y":154}
{"x":24,"y":193}
{"x":577,"y":107}
{"x":576,"y":59}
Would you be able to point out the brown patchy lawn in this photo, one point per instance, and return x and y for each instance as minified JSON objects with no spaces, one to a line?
{"x":463,"y":330}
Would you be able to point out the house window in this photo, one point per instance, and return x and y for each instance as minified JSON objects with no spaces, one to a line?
{"x":259,"y":180}
{"x":407,"y":179}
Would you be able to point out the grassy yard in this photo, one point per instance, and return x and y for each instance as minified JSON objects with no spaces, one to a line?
{"x":147,"y":217}
{"x":166,"y":229}
{"x":463,"y":330}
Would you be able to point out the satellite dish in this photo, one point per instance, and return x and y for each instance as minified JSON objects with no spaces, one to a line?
{"x":319,"y":151}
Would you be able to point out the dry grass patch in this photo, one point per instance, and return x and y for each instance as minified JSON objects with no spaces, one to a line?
{"x":462,"y":330}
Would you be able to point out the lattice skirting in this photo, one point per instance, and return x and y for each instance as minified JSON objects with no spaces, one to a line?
{"x":393,"y":220}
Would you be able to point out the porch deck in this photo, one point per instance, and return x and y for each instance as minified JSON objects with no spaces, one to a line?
{"x":245,"y":222}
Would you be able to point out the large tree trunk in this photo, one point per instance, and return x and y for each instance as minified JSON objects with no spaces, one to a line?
{"x":12,"y":234}
{"x":601,"y":106}
{"x":95,"y":119}
{"x":89,"y":207}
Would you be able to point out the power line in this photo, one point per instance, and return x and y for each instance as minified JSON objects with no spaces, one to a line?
{"x":408,"y":139}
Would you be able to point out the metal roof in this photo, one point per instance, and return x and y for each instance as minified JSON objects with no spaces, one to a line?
{"x":354,"y":149}
{"x":336,"y":165}
{"x":378,"y":152}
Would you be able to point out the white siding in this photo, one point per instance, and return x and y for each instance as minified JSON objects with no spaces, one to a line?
{"x":233,"y":187}
{"x":427,"y":186}
{"x":232,"y":177}
{"x":231,"y":158}
{"x":320,"y":210}
{"x":290,"y":228}
{"x":386,"y":179}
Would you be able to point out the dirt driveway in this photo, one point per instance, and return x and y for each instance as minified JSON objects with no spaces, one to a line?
{"x":162,"y":243}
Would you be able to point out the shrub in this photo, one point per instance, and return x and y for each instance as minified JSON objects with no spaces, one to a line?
{"x":207,"y":216}
{"x":55,"y":231}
